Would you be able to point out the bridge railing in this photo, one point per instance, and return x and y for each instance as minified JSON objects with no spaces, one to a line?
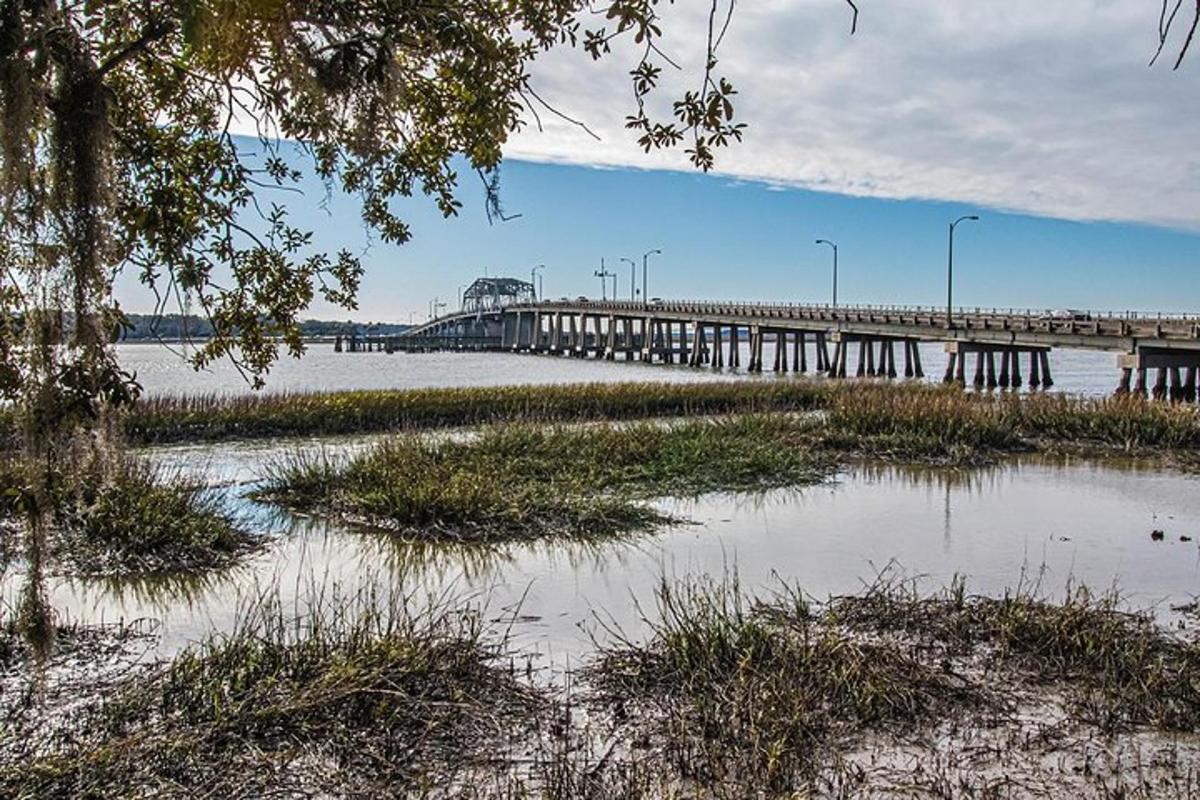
{"x":838,"y":312}
{"x":965,"y":311}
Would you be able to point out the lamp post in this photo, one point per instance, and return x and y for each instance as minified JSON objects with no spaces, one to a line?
{"x":645,"y":258}
{"x":534,"y":273}
{"x":603,"y":273}
{"x":632,"y":277}
{"x":835,"y":260}
{"x":950,"y":269}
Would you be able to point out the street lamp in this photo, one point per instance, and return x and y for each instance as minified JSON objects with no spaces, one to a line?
{"x":645,"y":292}
{"x":603,"y":273}
{"x":834,"y":246}
{"x":534,"y":272}
{"x":950,"y":269}
{"x":632,"y":277}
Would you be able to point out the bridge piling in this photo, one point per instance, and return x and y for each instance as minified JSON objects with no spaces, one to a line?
{"x":1015,"y":357}
{"x":1044,"y":357}
{"x":864,"y":355}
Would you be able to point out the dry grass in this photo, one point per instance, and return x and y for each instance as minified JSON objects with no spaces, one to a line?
{"x":778,"y":696}
{"x":362,"y":696}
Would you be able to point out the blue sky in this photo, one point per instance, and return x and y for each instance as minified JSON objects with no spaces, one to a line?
{"x":724,"y":238}
{"x":1043,"y":118}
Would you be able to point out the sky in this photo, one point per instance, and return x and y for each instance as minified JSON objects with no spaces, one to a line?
{"x":1043,"y":118}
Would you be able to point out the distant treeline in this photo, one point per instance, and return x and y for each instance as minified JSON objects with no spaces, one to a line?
{"x":177,"y":326}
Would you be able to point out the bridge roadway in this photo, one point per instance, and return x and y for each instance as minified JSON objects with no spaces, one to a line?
{"x":709,"y":333}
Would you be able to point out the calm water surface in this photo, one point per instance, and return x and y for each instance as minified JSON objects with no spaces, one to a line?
{"x":1033,"y":521}
{"x":162,"y":371}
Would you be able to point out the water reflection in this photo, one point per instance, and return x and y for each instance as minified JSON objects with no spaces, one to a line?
{"x":995,"y":526}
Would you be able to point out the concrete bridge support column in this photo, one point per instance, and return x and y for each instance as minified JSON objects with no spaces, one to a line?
{"x":610,"y":351}
{"x":1189,"y":385}
{"x":1160,"y":384}
{"x":1035,"y":371}
{"x":1044,"y":357}
{"x":735,"y":355}
{"x":781,"y":341}
{"x":865,"y":356}
{"x":718,"y":355}
{"x":918,"y":372}
{"x":1004,"y":365}
{"x":697,"y":355}
{"x":684,"y":348}
{"x":1015,"y":373}
{"x":951,"y":361}
{"x":799,"y":357}
{"x":1140,"y":388}
{"x":756,"y":348}
{"x":980,"y":377}
{"x":1125,"y":386}
{"x":891,"y":358}
{"x":822,"y":353}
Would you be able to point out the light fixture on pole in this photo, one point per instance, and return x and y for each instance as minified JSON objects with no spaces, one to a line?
{"x":950,"y":269}
{"x":603,"y":273}
{"x":632,"y":277}
{"x":533,"y":273}
{"x":645,"y":294}
{"x":835,"y":266}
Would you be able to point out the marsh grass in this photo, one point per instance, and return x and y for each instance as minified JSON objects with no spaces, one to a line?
{"x":522,"y":481}
{"x":738,"y":694}
{"x":216,"y":417}
{"x":765,"y":695}
{"x":1119,"y":668}
{"x":140,"y":518}
{"x":900,"y":417}
{"x":371,"y":694}
{"x":117,"y":513}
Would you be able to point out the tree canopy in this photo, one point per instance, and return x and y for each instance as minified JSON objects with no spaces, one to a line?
{"x":118,"y":152}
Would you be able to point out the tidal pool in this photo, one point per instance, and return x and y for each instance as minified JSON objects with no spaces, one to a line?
{"x":1032,"y":522}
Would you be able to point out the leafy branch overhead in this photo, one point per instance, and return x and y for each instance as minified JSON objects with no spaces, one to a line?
{"x":119,"y":151}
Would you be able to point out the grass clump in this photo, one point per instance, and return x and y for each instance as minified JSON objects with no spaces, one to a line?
{"x":143,"y":518}
{"x":521,"y":481}
{"x":358,"y":696}
{"x":1119,"y":668}
{"x":765,"y":697}
{"x":118,"y":514}
{"x":758,"y":698}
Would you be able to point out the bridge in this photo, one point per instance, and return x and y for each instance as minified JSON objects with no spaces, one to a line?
{"x":985,"y":347}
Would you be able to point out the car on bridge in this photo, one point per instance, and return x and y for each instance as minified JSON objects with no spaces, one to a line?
{"x":1067,"y":315}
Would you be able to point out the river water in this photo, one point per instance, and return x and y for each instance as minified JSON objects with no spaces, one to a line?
{"x":1036,"y":522}
{"x":161,"y":371}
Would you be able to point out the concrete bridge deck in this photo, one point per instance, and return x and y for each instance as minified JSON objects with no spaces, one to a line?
{"x":700,"y":332}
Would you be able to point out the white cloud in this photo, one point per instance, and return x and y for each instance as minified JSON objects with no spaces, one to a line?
{"x":1047,"y":108}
